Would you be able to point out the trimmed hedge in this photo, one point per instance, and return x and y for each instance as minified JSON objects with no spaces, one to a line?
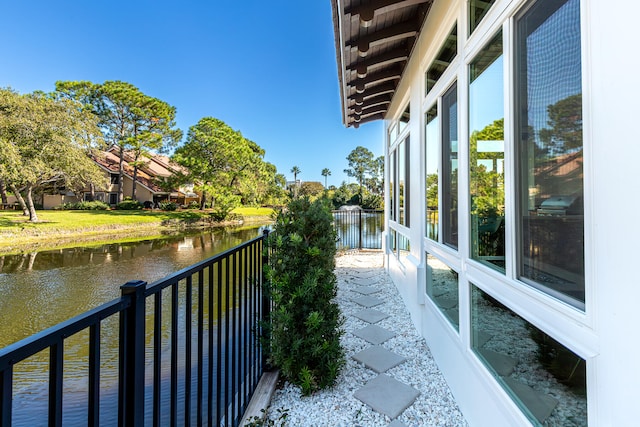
{"x":306,"y":321}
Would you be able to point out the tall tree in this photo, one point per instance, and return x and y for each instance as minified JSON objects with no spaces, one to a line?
{"x":295,"y":171}
{"x":134,"y":122}
{"x":361,"y":164}
{"x":42,"y":138}
{"x":219,"y":159}
{"x":325,"y":172}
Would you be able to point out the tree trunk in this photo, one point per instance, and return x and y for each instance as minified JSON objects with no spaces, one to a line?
{"x":23,"y":205}
{"x":92,"y":189}
{"x":203,"y":200}
{"x":3,"y":191}
{"x":33,"y":216}
{"x":135,"y":176}
{"x":121,"y":175}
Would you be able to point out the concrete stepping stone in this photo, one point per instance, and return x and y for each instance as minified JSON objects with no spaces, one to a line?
{"x":379,"y":358}
{"x":387,"y":395}
{"x":366,"y":290}
{"x":362,"y":282}
{"x":371,"y":315}
{"x":397,"y":423}
{"x":374,"y":334}
{"x":539,"y":404}
{"x":501,"y":363}
{"x":368,"y":301}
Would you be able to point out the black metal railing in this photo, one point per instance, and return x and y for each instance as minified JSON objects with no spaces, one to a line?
{"x":359,"y":228}
{"x":189,"y":347}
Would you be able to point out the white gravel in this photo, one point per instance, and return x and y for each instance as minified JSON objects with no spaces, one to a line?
{"x":337,"y":407}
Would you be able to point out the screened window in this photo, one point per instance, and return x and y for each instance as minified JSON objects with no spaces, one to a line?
{"x":403,"y":181}
{"x":445,"y":56}
{"x":545,"y":379}
{"x":432,"y":151}
{"x":549,"y":132}
{"x":450,"y":167}
{"x":486,"y":155}
{"x":392,"y":186}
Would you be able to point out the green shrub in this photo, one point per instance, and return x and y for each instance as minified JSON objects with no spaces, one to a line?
{"x":168,"y":206}
{"x":306,"y":322}
{"x":129,"y":204}
{"x":94,"y":205}
{"x":193,"y":205}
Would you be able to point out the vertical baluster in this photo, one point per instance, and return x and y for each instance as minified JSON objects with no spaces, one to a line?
{"x":157,"y":357}
{"x":227,"y":319}
{"x":200,"y":343}
{"x":6,"y":396}
{"x":174,"y":354}
{"x":219,"y":385}
{"x":94,"y":375}
{"x":252,"y":288}
{"x":56,"y":358}
{"x":211,"y":354}
{"x":234,"y":335}
{"x":187,"y":353}
{"x":246,"y":326}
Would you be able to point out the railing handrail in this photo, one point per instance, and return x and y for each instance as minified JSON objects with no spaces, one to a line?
{"x":26,"y":347}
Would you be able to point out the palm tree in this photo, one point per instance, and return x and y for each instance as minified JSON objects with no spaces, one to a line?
{"x":325,"y":172}
{"x":295,"y":171}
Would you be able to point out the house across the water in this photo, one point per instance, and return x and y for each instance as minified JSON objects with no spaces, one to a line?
{"x":153,"y":171}
{"x":511,"y":194}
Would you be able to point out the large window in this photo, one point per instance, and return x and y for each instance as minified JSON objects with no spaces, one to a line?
{"x":549,"y":137}
{"x":432,"y":152}
{"x":546,"y":379}
{"x":450,"y":167}
{"x":392,"y":186}
{"x":486,"y":155}
{"x":399,"y":183}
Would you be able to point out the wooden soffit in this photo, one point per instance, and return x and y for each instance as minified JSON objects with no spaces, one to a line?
{"x":374,"y":40}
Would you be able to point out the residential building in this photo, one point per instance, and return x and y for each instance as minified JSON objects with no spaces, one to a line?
{"x":510,"y":198}
{"x":156,"y":168}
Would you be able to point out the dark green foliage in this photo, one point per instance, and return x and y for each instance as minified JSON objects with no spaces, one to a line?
{"x":306,"y":321}
{"x":129,"y":205}
{"x":95,"y":205}
{"x":168,"y":206}
{"x":193,"y":205}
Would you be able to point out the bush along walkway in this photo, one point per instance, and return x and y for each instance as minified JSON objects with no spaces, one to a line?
{"x":390,"y":377}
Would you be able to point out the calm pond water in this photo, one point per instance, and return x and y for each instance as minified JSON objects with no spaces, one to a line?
{"x":42,"y":289}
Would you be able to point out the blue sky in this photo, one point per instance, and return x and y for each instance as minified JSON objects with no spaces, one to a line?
{"x":266,"y":68}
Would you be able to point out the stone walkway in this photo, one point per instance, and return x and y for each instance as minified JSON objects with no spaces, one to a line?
{"x":390,"y":377}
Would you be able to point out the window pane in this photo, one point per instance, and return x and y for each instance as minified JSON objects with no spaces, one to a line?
{"x":432,"y":140}
{"x":392,"y":188}
{"x":447,"y":53}
{"x":477,"y":10}
{"x":486,"y":155}
{"x":450,"y":167}
{"x":546,"y":379}
{"x":551,"y":229}
{"x":442,"y":288}
{"x":402,"y":167}
{"x":404,"y":119}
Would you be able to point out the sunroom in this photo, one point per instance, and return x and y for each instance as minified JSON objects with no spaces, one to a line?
{"x":509,"y":225}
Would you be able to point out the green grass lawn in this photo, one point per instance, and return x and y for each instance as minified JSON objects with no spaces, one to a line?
{"x":51,"y":221}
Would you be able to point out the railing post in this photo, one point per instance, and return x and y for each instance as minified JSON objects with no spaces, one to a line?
{"x":266,"y":299}
{"x":6,"y":396}
{"x":360,"y":229}
{"x":132,"y":339}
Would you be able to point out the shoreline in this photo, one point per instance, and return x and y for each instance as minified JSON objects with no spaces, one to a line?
{"x":12,"y":243}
